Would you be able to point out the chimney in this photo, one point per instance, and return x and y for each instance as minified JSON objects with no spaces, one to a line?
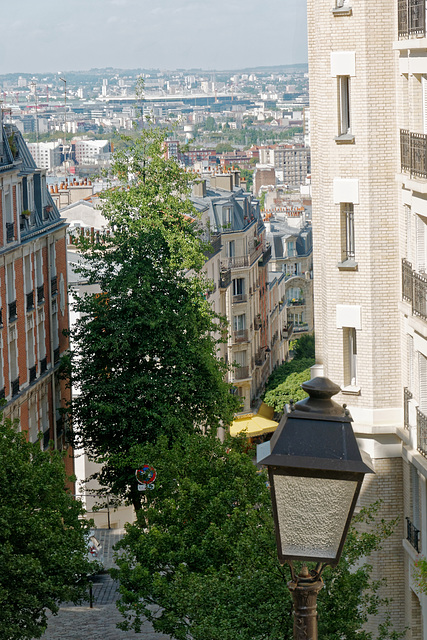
{"x":199,"y":189}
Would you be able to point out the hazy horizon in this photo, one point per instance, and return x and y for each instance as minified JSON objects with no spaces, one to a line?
{"x":133,"y":34}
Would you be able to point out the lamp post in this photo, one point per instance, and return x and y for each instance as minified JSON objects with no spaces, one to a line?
{"x":316,"y":471}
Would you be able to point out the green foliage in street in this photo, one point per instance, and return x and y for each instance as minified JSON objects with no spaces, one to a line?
{"x":303,"y":347}
{"x":144,"y":357}
{"x":201,"y":560}
{"x":43,"y":538}
{"x":284,"y":384}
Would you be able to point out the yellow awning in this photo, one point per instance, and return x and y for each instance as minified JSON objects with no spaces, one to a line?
{"x":255,"y":424}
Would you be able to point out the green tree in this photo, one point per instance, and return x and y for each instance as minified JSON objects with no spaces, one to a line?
{"x":284,"y":384}
{"x":145,"y":352}
{"x":210,"y":124}
{"x":303,"y":347}
{"x":43,"y":538}
{"x":201,"y":560}
{"x":223,"y":146}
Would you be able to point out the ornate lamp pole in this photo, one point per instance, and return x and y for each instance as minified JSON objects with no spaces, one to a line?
{"x":316,"y":471}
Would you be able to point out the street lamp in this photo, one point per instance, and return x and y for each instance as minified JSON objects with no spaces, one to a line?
{"x":316,"y":471}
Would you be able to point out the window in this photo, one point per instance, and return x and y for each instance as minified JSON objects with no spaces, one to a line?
{"x":231,"y":249}
{"x":344,"y":105}
{"x":239,"y":322}
{"x":238,"y":287}
{"x":350,"y":357}
{"x":347,"y":231}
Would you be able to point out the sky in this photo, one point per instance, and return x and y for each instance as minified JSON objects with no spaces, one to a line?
{"x":59,"y":35}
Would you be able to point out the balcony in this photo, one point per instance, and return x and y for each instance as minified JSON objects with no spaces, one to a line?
{"x":46,"y":439}
{"x":214,"y":246}
{"x":240,"y":336}
{"x":40,"y":294}
{"x":265,"y":256}
{"x":54,"y":286}
{"x":407,"y":396}
{"x":30,"y":301}
{"x":413,"y":153}
{"x":56,"y":355}
{"x":301,"y":328}
{"x":260,"y":357}
{"x":239,"y":262}
{"x":32,"y":374}
{"x":241,"y":373}
{"x":12,"y":311}
{"x":411,"y":18}
{"x":10,"y":231}
{"x":294,"y":302}
{"x":43,"y":366}
{"x":413,"y":535}
{"x":287,"y":330}
{"x":421,"y":432}
{"x":224,"y":278}
{"x":59,"y":427}
{"x":15,"y":386}
{"x":414,"y":289}
{"x":241,"y":297}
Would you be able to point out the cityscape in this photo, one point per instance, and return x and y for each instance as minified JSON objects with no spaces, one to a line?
{"x":193,"y":263}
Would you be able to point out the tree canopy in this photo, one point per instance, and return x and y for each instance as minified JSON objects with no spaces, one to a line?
{"x":43,"y":538}
{"x":145,"y":348}
{"x":201,"y":560}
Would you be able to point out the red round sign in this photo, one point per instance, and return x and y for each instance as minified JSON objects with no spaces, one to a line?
{"x":145,"y":474}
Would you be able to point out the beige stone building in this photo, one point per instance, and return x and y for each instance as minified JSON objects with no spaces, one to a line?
{"x":368,"y":69}
{"x":243,"y":292}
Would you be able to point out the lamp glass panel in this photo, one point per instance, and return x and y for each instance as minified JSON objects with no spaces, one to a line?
{"x":312,"y":514}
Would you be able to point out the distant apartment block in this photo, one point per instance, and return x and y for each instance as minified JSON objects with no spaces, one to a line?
{"x":47,"y":155}
{"x":90,"y":151}
{"x":292,"y":162}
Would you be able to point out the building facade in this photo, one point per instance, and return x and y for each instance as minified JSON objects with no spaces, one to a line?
{"x":33,"y":296}
{"x":242,"y":290}
{"x":368,"y":70}
{"x":290,"y":238}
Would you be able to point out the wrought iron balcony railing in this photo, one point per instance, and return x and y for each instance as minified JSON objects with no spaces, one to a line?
{"x":30,"y":301}
{"x":215,"y":246}
{"x":40,"y":294}
{"x":413,"y":535}
{"x":46,"y":439}
{"x":10,"y":231}
{"x":15,"y":386}
{"x":407,"y":396}
{"x":241,"y":335}
{"x":414,"y":289}
{"x":287,"y":330}
{"x":413,"y":153}
{"x":411,"y":18}
{"x":224,"y":278}
{"x":32,"y":373}
{"x":241,"y":373}
{"x":421,"y":432}
{"x":43,"y":366}
{"x":12,"y":311}
{"x":54,"y":285}
{"x":56,"y":355}
{"x":265,"y":256}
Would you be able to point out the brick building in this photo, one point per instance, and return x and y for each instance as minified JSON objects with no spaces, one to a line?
{"x":33,"y":295}
{"x":368,"y":70}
